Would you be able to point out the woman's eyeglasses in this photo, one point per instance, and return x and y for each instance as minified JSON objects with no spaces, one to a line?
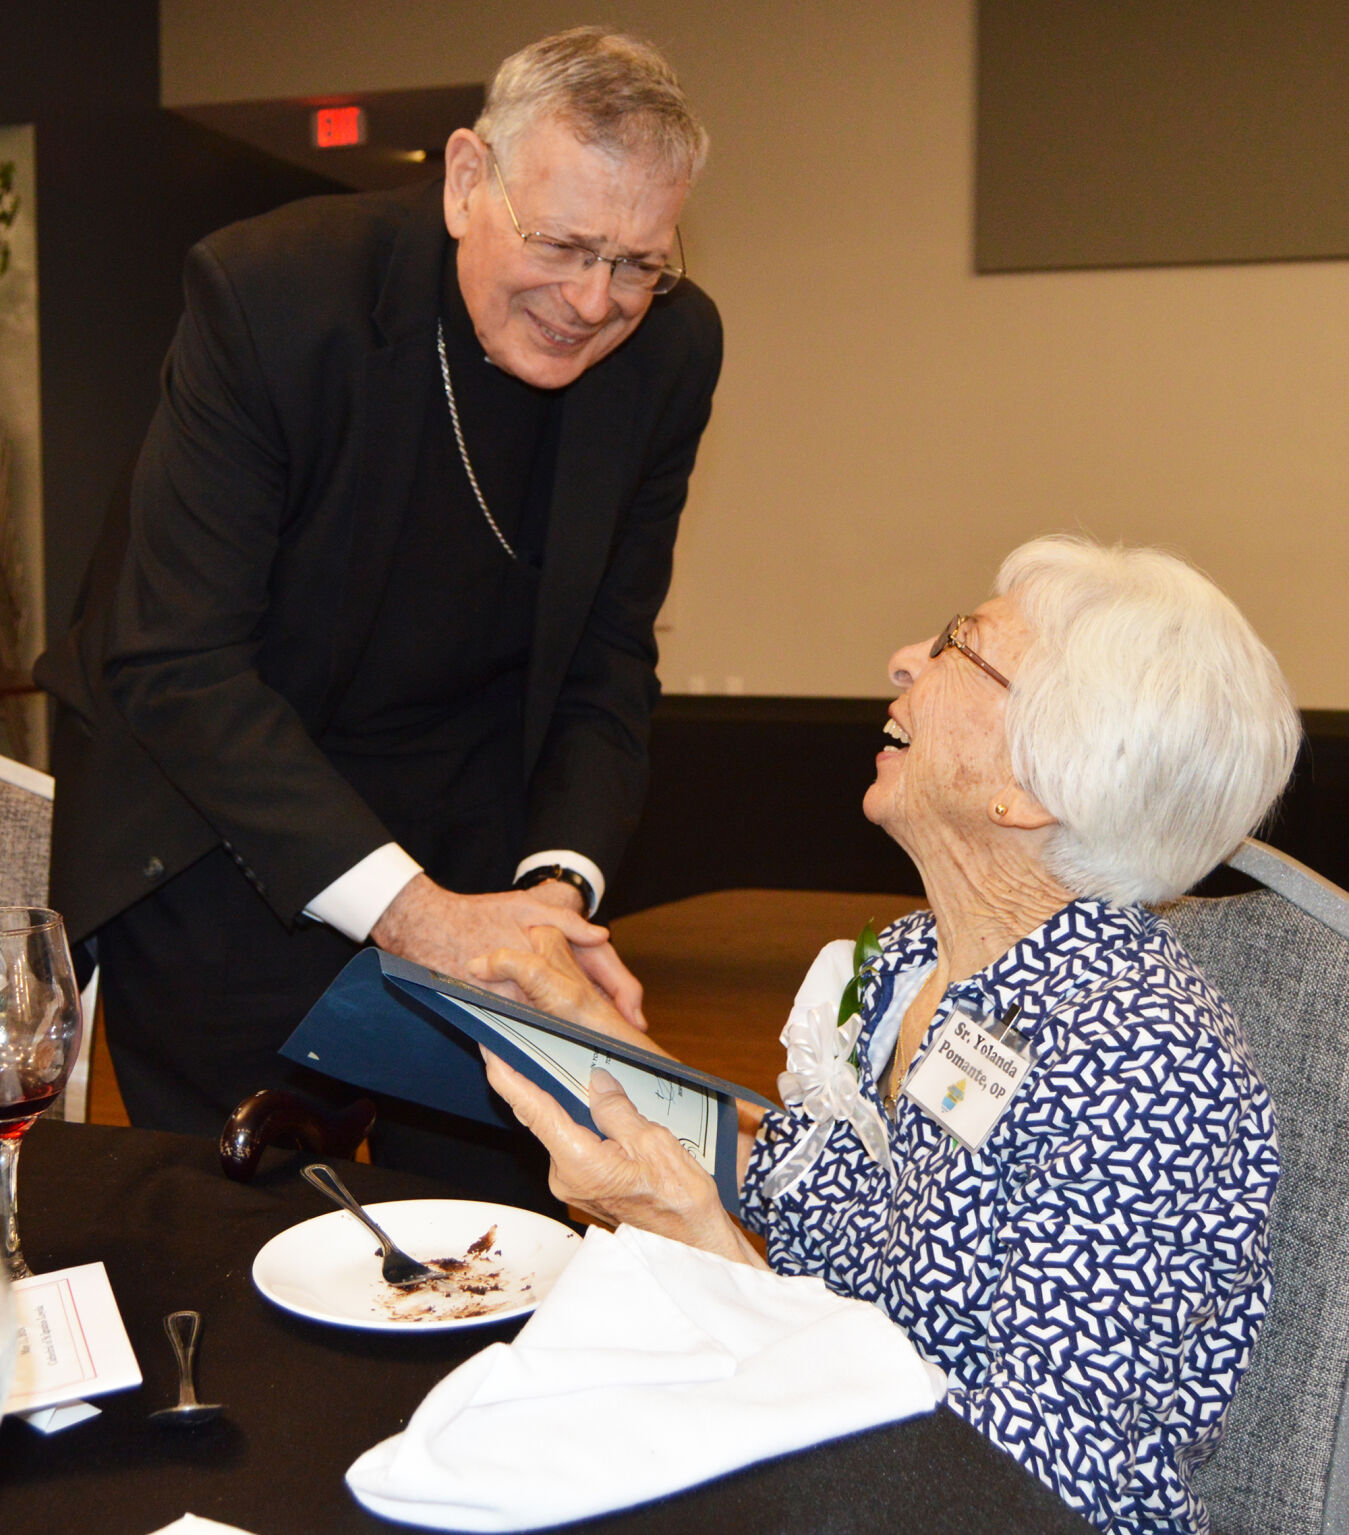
{"x":950,"y":638}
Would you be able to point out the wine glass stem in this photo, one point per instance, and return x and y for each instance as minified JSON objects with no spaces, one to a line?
{"x":15,"y":1266}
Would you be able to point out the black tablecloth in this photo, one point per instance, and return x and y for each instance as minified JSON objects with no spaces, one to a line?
{"x":305,"y":1399}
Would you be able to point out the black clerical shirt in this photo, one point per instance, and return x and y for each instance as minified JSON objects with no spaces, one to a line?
{"x":429,"y":731}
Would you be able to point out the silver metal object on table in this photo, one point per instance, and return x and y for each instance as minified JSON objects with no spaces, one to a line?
{"x":184,"y":1328}
{"x":398,"y":1269}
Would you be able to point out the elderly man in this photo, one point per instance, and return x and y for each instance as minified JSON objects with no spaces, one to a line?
{"x":377,"y":644}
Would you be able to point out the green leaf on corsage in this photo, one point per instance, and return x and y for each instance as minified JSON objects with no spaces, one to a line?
{"x":866,"y":949}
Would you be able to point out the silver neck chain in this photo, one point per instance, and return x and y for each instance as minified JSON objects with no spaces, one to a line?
{"x":459,"y":438}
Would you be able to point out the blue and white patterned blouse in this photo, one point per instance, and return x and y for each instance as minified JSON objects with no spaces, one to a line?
{"x":1094,"y":1278}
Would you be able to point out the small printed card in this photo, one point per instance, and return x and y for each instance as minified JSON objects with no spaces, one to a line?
{"x":72,"y":1343}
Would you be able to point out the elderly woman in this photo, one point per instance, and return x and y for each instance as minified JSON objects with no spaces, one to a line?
{"x":1066,"y":1207}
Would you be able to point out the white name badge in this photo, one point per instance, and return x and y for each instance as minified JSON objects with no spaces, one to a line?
{"x":969,"y":1076}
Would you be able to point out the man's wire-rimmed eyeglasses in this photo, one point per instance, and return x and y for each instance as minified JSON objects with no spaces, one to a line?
{"x":569,"y":262}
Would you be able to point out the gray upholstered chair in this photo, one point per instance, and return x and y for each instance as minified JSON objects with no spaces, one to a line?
{"x":1281,"y":957}
{"x":25,"y":858}
{"x":25,"y":833}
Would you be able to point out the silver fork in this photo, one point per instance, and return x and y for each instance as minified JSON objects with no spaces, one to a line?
{"x":398,"y":1269}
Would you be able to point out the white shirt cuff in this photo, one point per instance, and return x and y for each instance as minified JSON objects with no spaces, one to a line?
{"x":356,"y":900}
{"x":569,"y":860}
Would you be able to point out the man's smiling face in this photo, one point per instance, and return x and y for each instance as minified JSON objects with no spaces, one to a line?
{"x":544,"y":331}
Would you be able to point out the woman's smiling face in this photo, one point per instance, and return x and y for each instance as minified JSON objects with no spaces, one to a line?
{"x":946,"y":759}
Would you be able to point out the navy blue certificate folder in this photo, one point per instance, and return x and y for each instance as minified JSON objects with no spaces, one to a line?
{"x":389,"y":1026}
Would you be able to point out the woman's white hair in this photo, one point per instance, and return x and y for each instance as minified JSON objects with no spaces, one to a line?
{"x":1146,"y":716}
{"x":609,"y":89}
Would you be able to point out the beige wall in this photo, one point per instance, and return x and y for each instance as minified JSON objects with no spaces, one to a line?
{"x":888,"y":425}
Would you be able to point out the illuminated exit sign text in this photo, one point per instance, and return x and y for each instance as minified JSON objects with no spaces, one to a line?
{"x":338,"y":127}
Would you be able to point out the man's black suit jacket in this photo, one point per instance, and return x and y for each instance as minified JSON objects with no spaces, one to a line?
{"x":224,"y":618}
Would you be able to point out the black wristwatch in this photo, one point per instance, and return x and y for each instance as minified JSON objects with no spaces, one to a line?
{"x":570,"y":877}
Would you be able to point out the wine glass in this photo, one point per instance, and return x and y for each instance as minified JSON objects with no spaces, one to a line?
{"x":39,"y":1040}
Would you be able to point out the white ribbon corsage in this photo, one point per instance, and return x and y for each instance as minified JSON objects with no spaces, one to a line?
{"x":821,"y":1076}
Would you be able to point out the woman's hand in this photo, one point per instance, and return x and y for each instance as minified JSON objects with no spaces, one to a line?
{"x":599,"y":961}
{"x":638,"y":1173}
{"x":550,"y":978}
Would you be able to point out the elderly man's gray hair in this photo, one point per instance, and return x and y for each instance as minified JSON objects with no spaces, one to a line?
{"x":609,"y":89}
{"x":1146,"y":716}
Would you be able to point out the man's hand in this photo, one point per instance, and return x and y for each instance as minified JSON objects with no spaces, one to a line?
{"x":436,"y":927}
{"x":638,"y":1173}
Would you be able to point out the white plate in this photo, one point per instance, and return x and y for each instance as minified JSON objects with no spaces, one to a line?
{"x":327,"y":1268}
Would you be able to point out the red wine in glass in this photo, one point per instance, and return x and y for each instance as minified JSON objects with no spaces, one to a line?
{"x":15,"y":1118}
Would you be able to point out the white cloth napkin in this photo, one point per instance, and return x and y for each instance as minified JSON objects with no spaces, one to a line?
{"x":649,"y":1367}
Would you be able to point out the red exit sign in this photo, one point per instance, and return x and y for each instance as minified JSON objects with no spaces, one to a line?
{"x":338,"y":127}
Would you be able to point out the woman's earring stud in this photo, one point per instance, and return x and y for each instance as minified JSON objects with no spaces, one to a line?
{"x":1000,"y":810}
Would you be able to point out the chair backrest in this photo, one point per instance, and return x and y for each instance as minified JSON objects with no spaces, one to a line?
{"x":25,"y":859}
{"x":25,"y":833}
{"x":1283,"y":1465}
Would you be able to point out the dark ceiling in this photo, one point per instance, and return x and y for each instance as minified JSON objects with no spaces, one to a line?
{"x":405,"y":131}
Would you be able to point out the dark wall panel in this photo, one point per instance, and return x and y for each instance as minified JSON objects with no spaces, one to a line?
{"x":1151,"y":132}
{"x":767,"y":793}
